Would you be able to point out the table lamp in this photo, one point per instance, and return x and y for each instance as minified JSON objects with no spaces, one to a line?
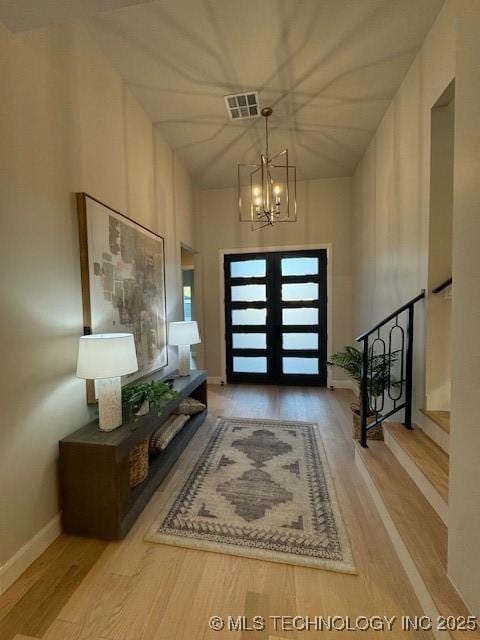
{"x":105,"y":357}
{"x":183,"y":334}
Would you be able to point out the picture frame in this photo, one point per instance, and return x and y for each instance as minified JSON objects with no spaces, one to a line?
{"x":122,"y":266}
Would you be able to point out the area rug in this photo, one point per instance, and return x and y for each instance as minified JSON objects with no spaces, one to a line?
{"x":261,"y":489}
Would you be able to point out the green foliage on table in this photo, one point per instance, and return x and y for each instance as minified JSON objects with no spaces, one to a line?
{"x":158,"y":394}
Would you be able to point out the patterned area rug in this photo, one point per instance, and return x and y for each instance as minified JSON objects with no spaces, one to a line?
{"x":261,"y":489}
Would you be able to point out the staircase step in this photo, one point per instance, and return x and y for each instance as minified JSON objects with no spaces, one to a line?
{"x":424,"y":461}
{"x":442,"y":418}
{"x":436,"y":424}
{"x":418,"y":534}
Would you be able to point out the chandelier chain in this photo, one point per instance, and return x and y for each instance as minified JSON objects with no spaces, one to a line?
{"x":273,"y":199}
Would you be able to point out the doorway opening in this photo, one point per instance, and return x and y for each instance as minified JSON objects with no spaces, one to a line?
{"x":188,"y":284}
{"x":188,"y":291}
{"x":439,"y":309}
{"x":276,"y":317}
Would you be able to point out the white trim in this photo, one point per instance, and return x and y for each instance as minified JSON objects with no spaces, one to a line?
{"x":18,"y":563}
{"x":433,"y":431}
{"x":215,"y":380}
{"x":304,"y":247}
{"x":416,"y":474}
{"x":423,"y":595}
{"x":187,"y":247}
{"x":345,"y":384}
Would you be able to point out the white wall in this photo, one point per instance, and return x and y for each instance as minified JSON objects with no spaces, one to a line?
{"x":391,"y":194}
{"x":67,"y":124}
{"x":391,"y":203}
{"x":464,"y":500}
{"x":324,"y":216}
{"x":438,"y":339}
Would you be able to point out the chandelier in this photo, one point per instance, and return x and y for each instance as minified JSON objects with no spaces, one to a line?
{"x":267,"y":190}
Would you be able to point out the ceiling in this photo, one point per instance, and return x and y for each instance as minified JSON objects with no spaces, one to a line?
{"x":329,"y":68}
{"x":21,"y":15}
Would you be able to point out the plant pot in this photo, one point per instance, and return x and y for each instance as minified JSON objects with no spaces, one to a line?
{"x":374,"y":434}
{"x":144,"y":409}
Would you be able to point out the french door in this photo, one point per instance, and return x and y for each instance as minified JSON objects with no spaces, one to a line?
{"x":276,"y":317}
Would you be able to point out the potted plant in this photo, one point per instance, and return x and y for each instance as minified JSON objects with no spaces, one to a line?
{"x":350,"y":360}
{"x":139,"y":398}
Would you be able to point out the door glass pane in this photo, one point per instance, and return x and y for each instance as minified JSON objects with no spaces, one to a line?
{"x":300,"y":365}
{"x":249,"y":316}
{"x":300,"y":341}
{"x":303,"y":315}
{"x":246,"y":364}
{"x":248,"y":269}
{"x":249,"y":293}
{"x":300,"y":291}
{"x":299,"y":266}
{"x":249,"y":340}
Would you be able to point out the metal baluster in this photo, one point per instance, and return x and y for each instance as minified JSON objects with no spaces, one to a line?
{"x":376,"y":403}
{"x":364,"y":395}
{"x":397,"y":396}
{"x":409,"y":370}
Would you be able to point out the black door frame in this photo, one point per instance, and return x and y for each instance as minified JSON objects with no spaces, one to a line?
{"x":274,"y":352}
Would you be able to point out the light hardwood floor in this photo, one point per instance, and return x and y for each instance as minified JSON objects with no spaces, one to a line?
{"x":132,"y":590}
{"x":430,"y":459}
{"x":421,"y":530}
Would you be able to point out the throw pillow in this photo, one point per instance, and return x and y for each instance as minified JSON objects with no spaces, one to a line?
{"x":165,"y":434}
{"x":190,"y":406}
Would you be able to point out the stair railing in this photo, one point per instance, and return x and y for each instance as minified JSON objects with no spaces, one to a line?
{"x":443,"y":286}
{"x":387,"y":369}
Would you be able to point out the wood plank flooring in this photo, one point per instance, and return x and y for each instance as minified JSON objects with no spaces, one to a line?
{"x":441,"y":418}
{"x":421,"y":529}
{"x":133,"y":590}
{"x":30,"y":606}
{"x":430,"y":459}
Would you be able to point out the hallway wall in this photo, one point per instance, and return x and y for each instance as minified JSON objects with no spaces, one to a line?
{"x":67,"y":124}
{"x":391,"y":204}
{"x":439,"y":310}
{"x":464,"y":500}
{"x":392,"y":191}
{"x":324,"y":216}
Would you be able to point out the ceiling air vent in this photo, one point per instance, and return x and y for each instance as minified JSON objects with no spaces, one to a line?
{"x":242,"y":105}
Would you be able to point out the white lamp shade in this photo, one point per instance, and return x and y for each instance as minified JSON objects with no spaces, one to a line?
{"x":183,"y":333}
{"x":106,"y":355}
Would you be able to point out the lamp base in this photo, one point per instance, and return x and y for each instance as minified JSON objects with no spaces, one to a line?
{"x":109,"y":392}
{"x":183,"y":359}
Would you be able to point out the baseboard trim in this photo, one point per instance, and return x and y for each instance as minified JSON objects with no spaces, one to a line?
{"x":345,"y":384}
{"x":423,"y":596}
{"x":416,"y":474}
{"x":336,"y":384}
{"x":18,"y":563}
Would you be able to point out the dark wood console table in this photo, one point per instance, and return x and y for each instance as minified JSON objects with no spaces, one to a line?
{"x":95,"y":493}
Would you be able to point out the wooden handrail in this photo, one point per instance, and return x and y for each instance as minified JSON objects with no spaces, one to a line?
{"x":443,"y":286}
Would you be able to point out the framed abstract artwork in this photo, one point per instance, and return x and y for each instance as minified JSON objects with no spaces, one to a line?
{"x":123,"y":282}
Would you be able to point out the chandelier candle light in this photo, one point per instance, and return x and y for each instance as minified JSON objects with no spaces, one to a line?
{"x":105,"y":357}
{"x":267,"y":190}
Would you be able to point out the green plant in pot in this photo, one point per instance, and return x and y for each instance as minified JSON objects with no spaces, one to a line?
{"x":350,"y":360}
{"x":139,"y":398}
